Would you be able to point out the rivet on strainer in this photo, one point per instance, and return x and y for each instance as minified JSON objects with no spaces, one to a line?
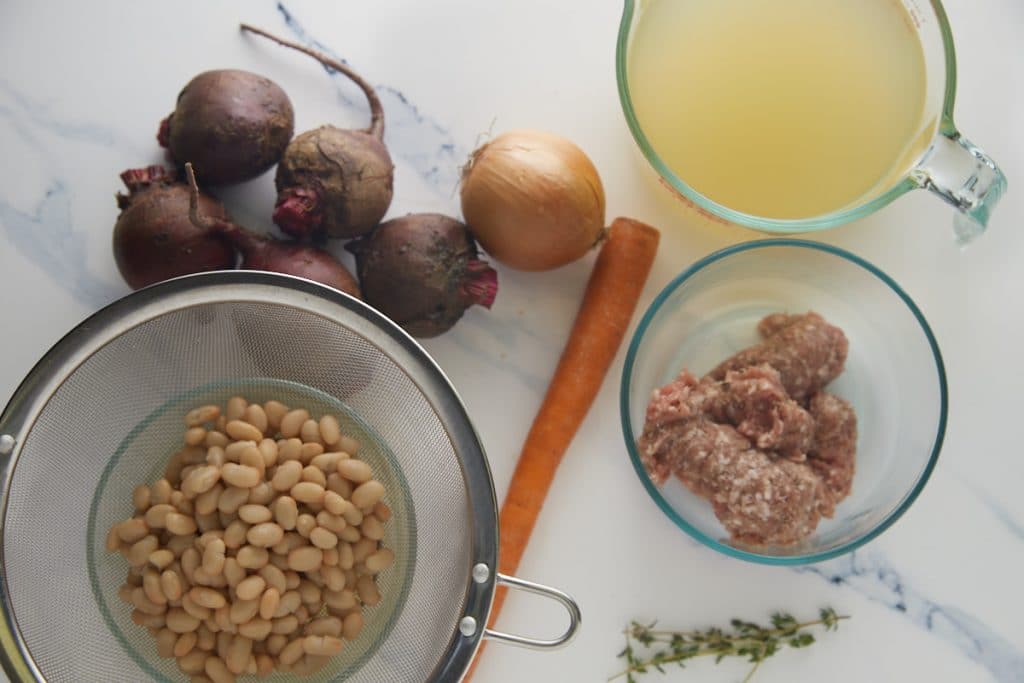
{"x":101,"y":411}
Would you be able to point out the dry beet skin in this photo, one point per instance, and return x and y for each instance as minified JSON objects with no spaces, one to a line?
{"x":154,"y":240}
{"x":231,"y":125}
{"x":422,"y":271}
{"x":332,"y":181}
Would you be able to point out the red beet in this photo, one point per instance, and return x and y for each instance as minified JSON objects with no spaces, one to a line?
{"x":331,"y":181}
{"x":154,"y":239}
{"x":231,"y":125}
{"x":270,"y":254}
{"x":422,"y":271}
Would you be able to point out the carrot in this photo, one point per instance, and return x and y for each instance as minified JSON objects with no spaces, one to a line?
{"x":608,"y":304}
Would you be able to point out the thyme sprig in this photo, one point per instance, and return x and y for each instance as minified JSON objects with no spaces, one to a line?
{"x":648,"y":649}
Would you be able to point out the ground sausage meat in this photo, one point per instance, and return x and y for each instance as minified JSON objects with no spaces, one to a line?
{"x":807,"y":352}
{"x":835,"y":446}
{"x":757,"y":437}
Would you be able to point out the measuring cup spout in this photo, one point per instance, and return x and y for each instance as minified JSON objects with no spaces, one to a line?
{"x":963,"y":175}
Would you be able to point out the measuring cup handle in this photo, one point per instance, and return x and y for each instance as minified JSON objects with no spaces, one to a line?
{"x":520,"y":641}
{"x":963,"y":175}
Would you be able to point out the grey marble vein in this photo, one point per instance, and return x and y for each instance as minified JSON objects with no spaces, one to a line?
{"x":40,"y":116}
{"x":46,"y":234}
{"x":1004,"y":516}
{"x":870,"y":574}
{"x":47,"y":237}
{"x":420,"y":140}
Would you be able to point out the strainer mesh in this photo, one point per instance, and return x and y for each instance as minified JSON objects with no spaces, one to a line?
{"x":113,"y":423}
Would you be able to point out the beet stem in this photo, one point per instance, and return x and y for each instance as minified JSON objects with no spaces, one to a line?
{"x":197,"y":219}
{"x":241,"y":238}
{"x":376,"y":128}
{"x":137,"y":178}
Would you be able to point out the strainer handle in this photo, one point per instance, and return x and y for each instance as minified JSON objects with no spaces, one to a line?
{"x":545,"y":591}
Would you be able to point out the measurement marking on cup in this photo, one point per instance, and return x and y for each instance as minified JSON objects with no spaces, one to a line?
{"x":6,"y":444}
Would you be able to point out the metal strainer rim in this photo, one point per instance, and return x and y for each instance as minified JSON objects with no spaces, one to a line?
{"x":63,"y":359}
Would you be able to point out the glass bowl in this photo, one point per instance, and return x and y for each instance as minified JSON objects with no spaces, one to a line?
{"x":894,"y":378}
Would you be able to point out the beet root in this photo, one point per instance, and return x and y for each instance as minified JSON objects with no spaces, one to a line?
{"x":231,"y":125}
{"x":270,"y":254}
{"x":154,"y":240}
{"x":333,"y":181}
{"x":290,"y":258}
{"x":422,"y":271}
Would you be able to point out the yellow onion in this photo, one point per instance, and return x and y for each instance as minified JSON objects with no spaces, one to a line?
{"x":533,"y":200}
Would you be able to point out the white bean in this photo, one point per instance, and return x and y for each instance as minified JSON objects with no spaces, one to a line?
{"x":330,"y":430}
{"x":251,"y":588}
{"x":288,"y":474}
{"x":325,"y":646}
{"x":242,"y":476}
{"x":265,"y":535}
{"x":310,"y":432}
{"x":292,"y":652}
{"x":322,"y":538}
{"x":180,"y":621}
{"x":269,"y":603}
{"x":291,"y":423}
{"x":235,"y":408}
{"x":257,"y":417}
{"x":308,"y":492}
{"x":254,"y":514}
{"x":202,"y":415}
{"x":218,"y":671}
{"x":306,"y":558}
{"x":353,"y":624}
{"x":368,"y":494}
{"x":355,"y":471}
{"x":367,"y":590}
{"x":275,"y":411}
{"x":380,"y":560}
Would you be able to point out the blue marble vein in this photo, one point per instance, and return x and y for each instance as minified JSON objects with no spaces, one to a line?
{"x":1003,"y":515}
{"x":869,"y":574}
{"x":421,"y":141}
{"x":40,"y":116}
{"x":46,"y":235}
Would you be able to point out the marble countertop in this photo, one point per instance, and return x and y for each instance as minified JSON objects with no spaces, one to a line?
{"x":937,"y":597}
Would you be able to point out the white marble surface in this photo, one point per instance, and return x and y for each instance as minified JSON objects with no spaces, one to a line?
{"x":938,"y":597}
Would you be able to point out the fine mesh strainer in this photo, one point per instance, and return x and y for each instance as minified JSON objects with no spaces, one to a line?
{"x":102,"y":410}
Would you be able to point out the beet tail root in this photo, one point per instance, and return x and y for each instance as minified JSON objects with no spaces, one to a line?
{"x":481,"y":285}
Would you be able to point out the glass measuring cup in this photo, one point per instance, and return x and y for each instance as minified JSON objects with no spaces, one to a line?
{"x":949,"y":165}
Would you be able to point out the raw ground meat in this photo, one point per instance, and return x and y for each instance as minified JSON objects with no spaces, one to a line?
{"x":758,"y":498}
{"x":681,"y":446}
{"x":771,"y":464}
{"x":765,"y":500}
{"x":833,"y":454}
{"x":755,"y":402}
{"x":752,"y":400}
{"x":807,"y":351}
